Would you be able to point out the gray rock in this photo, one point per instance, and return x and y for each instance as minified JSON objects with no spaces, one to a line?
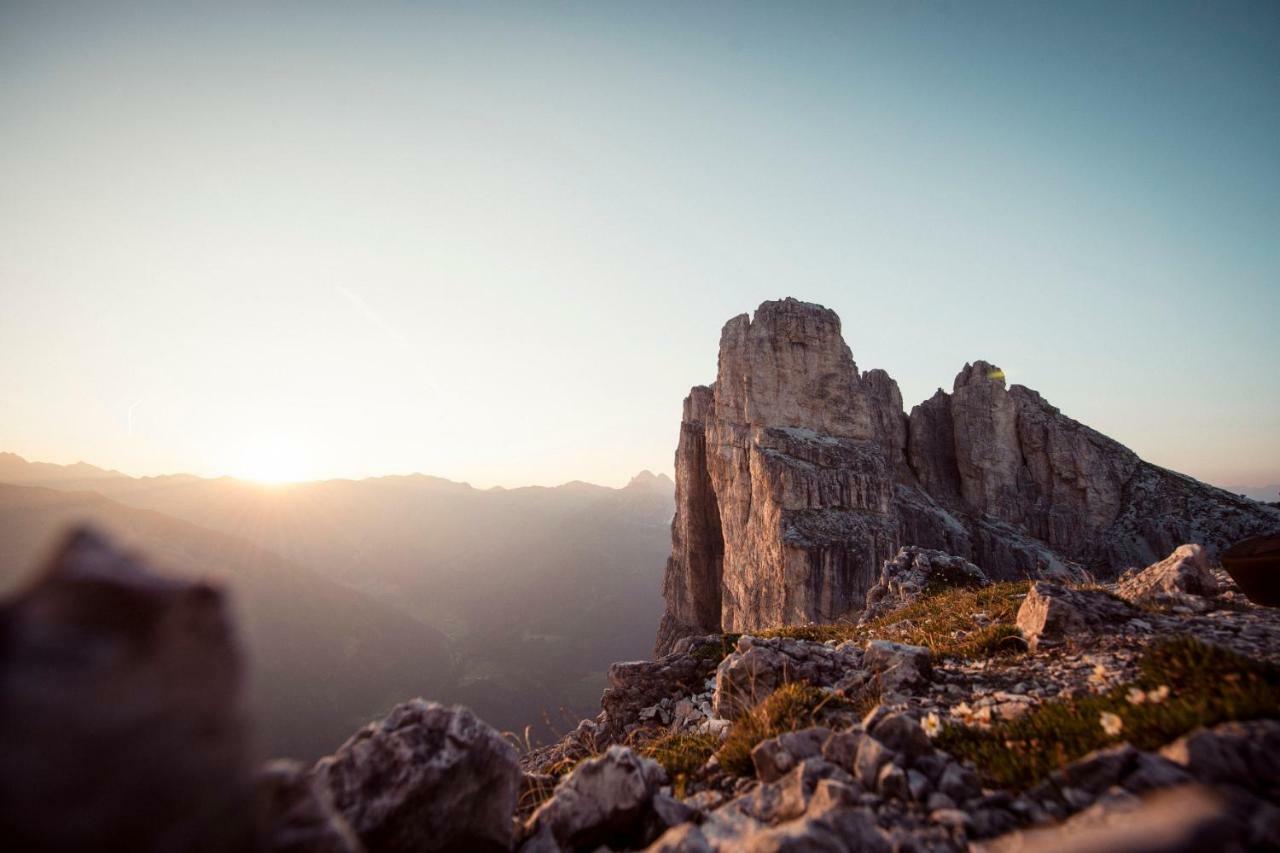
{"x":299,"y":814}
{"x":637,"y":685}
{"x":959,"y":783}
{"x":759,"y":666}
{"x":1051,"y":614}
{"x":1231,"y":753}
{"x":897,"y":666}
{"x":902,"y":734}
{"x":775,"y":757}
{"x":605,"y":800}
{"x":872,"y":755}
{"x":1151,"y":771}
{"x":905,"y":578}
{"x":1183,"y":573}
{"x":842,"y":748}
{"x":1098,"y":771}
{"x":1178,"y":820}
{"x":892,"y":782}
{"x":918,"y":783}
{"x":425,"y":778}
{"x":122,"y":720}
{"x":938,"y":800}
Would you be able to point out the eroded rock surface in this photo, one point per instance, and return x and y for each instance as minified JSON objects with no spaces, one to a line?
{"x":1052,"y":614}
{"x":1183,"y":573}
{"x":425,"y":778}
{"x":911,"y":572}
{"x":608,"y":800}
{"x":758,"y":666}
{"x":300,"y":816}
{"x":797,"y":476}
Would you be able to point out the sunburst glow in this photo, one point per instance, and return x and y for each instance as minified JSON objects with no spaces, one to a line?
{"x":272,"y":460}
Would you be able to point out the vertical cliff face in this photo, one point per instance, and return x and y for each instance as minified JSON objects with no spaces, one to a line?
{"x":784,"y":477}
{"x":797,"y":476}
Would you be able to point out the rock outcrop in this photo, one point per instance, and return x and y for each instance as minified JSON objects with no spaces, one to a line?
{"x":425,"y":778}
{"x":1181,"y":576}
{"x":797,"y":476}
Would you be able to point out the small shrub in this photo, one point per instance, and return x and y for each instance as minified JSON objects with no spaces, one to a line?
{"x":1183,"y":684}
{"x":789,"y":708}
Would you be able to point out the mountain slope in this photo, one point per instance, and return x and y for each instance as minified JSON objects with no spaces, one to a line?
{"x":324,"y":658}
{"x":539,"y":589}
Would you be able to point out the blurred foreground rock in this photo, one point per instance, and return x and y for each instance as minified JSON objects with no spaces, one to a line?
{"x":120,"y":718}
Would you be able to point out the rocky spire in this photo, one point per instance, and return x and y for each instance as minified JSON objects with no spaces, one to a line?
{"x":797,"y":476}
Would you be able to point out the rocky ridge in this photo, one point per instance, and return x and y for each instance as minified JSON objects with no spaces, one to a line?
{"x":797,"y":475}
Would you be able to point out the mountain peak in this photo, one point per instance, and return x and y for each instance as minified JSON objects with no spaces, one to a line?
{"x":646,"y":479}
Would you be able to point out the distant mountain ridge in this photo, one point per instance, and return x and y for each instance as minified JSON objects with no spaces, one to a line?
{"x":324,"y":657}
{"x":538,"y":589}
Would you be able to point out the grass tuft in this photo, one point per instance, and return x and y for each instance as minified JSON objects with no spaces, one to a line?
{"x":1202,"y":685}
{"x":791,"y":707}
{"x":681,"y":754}
{"x":942,"y":621}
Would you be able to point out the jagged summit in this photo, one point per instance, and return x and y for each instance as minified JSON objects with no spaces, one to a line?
{"x":797,"y":476}
{"x":648,"y":480}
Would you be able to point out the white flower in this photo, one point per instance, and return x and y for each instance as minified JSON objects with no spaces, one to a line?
{"x":1111,"y":724}
{"x":931,"y":724}
{"x":1136,"y":696}
{"x":1158,"y":695}
{"x":961,"y":710}
{"x":1099,"y":674}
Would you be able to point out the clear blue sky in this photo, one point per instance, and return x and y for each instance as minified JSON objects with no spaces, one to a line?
{"x":497,"y":242}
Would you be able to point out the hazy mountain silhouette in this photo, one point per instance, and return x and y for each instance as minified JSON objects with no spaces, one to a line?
{"x":538,"y":589}
{"x":324,"y":658}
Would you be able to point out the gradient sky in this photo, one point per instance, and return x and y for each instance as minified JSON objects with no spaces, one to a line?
{"x":497,"y":242}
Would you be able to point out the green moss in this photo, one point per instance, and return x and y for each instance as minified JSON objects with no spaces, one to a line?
{"x":791,"y":707}
{"x":1206,"y":685}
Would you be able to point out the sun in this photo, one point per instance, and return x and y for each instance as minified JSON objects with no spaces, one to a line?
{"x":272,"y":460}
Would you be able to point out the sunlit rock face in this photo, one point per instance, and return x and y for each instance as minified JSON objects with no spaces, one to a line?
{"x":797,"y":476}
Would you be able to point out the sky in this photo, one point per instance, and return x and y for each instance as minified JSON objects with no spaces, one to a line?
{"x":497,"y":242}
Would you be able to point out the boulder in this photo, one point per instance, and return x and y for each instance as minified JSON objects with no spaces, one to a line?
{"x":774,"y":757}
{"x":122,"y":720}
{"x":1179,"y":820}
{"x":902,"y":734}
{"x":1183,"y":573}
{"x":897,"y":666}
{"x":1052,"y":614}
{"x":425,"y":778}
{"x":906,"y":577}
{"x":759,"y":666}
{"x":607,"y":800}
{"x":299,"y":813}
{"x":1237,"y":753}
